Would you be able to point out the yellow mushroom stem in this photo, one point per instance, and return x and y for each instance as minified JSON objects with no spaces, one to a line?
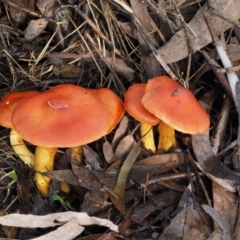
{"x":147,"y":137}
{"x":65,"y":187}
{"x":44,"y":162}
{"x":77,"y":154}
{"x":20,"y":148}
{"x":166,"y":137}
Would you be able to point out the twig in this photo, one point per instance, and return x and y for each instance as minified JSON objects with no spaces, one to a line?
{"x":229,"y":70}
{"x":200,"y":179}
{"x":220,"y":76}
{"x":232,"y":77}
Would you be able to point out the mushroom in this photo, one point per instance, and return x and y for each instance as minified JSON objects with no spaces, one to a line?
{"x":7,"y":105}
{"x":175,"y":105}
{"x":134,"y":107}
{"x":65,"y":116}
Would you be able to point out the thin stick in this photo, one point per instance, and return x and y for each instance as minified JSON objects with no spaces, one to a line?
{"x":232,"y":77}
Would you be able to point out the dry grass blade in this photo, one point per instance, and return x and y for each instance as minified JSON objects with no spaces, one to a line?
{"x":146,"y":38}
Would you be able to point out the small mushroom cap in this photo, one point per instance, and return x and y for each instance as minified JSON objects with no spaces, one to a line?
{"x":8,"y":103}
{"x":67,"y":116}
{"x":175,"y":105}
{"x":134,"y":106}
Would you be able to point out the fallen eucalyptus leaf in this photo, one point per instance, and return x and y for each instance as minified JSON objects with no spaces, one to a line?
{"x":35,"y":28}
{"x":117,"y":196}
{"x":120,"y":132}
{"x":223,"y":224}
{"x":211,"y":165}
{"x":54,"y":219}
{"x":108,"y":153}
{"x":68,"y":231}
{"x":177,"y":47}
{"x":124,"y":147}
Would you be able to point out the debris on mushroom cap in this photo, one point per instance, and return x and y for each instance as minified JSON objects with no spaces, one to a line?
{"x":66,"y":116}
{"x":8,"y":103}
{"x":134,"y":106}
{"x":175,"y":105}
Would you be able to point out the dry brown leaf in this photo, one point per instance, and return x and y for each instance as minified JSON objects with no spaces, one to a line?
{"x":233,"y":52}
{"x":168,"y":159}
{"x":211,"y":165}
{"x":108,"y":153}
{"x":142,"y":169}
{"x":35,"y":28}
{"x":225,"y":232}
{"x":236,"y":234}
{"x":128,"y":28}
{"x":177,"y":48}
{"x":18,"y":16}
{"x":226,"y":203}
{"x":142,"y":210}
{"x":63,"y":176}
{"x":141,"y":11}
{"x":119,"y":66}
{"x":120,"y":132}
{"x":46,"y":7}
{"x":151,"y":66}
{"x":95,"y":199}
{"x":149,"y":62}
{"x":10,"y":231}
{"x":191,"y":222}
{"x":92,"y":158}
{"x":175,"y":229}
{"x":124,"y":147}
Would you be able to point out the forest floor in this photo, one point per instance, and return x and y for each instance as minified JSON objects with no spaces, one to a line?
{"x":121,"y":190}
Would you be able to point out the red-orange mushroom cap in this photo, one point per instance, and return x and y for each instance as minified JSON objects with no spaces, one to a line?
{"x":8,"y":103}
{"x":67,"y":116}
{"x":175,"y":105}
{"x":113,"y":103}
{"x":134,"y":106}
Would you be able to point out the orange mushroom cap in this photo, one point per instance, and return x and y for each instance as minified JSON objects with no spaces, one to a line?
{"x":175,"y":105}
{"x":67,"y":116}
{"x":134,"y":106}
{"x":8,"y":103}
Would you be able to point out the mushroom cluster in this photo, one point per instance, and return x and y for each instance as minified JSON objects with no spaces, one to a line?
{"x":164,"y":100}
{"x":64,"y":116}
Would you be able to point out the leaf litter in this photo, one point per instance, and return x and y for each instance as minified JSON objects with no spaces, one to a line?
{"x":115,"y":44}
